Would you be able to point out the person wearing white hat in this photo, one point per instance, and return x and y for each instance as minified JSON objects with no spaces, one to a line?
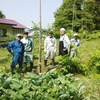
{"x":74,"y":45}
{"x":64,"y":43}
{"x":16,"y":48}
{"x":49,"y":48}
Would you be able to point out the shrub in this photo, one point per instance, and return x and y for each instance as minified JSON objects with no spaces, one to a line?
{"x":95,"y":62}
{"x":73,"y":65}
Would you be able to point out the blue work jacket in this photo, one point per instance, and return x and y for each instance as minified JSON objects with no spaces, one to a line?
{"x":16,"y":47}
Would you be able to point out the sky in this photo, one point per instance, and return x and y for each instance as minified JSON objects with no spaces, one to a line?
{"x":25,"y":11}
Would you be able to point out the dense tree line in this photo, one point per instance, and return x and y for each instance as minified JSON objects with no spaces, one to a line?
{"x":78,"y":15}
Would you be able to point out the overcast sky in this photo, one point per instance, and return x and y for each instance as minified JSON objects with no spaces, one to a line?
{"x":25,"y":11}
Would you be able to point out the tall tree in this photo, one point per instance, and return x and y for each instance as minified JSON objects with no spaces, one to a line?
{"x":88,"y":16}
{"x":2,"y":15}
{"x":78,"y":14}
{"x":92,"y":14}
{"x":69,"y":15}
{"x":97,"y":14}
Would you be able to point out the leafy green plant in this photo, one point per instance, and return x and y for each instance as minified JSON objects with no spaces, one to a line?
{"x":95,"y":62}
{"x":10,"y":37}
{"x":45,"y":86}
{"x":72,"y":65}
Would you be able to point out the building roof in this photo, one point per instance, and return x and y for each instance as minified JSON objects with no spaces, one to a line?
{"x":13,"y":23}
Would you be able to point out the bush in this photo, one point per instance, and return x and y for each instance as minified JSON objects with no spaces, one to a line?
{"x":83,"y":34}
{"x":95,"y":62}
{"x":72,"y":65}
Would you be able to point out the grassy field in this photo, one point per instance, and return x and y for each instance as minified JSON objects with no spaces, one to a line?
{"x":91,"y":81}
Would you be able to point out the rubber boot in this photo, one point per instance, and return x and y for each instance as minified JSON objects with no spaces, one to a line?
{"x":12,"y":70}
{"x":25,"y":66}
{"x":20,"y":68}
{"x":31,"y":66}
{"x":45,"y":63}
{"x":53,"y":62}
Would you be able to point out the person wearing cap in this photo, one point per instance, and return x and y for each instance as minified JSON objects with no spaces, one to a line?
{"x":49,"y":48}
{"x":64,"y":43}
{"x":28,"y":46}
{"x":74,"y":45}
{"x":16,"y":48}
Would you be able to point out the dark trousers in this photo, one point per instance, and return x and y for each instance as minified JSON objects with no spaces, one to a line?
{"x":17,"y":59}
{"x":62,"y":52}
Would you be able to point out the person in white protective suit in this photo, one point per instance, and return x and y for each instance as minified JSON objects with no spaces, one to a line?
{"x":49,"y":48}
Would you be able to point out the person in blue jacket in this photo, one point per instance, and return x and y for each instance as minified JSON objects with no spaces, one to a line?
{"x":74,"y":46}
{"x":16,"y":48}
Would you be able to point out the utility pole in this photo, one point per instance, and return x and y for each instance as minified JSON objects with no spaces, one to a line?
{"x":40,"y":44}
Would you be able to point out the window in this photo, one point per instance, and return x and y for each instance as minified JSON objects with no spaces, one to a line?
{"x":3,"y":32}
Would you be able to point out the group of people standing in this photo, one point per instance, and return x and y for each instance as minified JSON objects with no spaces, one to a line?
{"x":21,"y":49}
{"x":65,"y":46}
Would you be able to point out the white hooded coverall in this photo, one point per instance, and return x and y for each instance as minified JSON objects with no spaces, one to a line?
{"x":50,"y":47}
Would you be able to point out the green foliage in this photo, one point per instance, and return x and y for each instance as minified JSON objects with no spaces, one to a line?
{"x":70,"y":34}
{"x":57,"y":34}
{"x":48,"y":86}
{"x":73,"y":65}
{"x":95,"y":62}
{"x":84,"y":34}
{"x":74,"y":47}
{"x":45,"y":86}
{"x":35,"y":52}
{"x":93,"y":35}
{"x":10,"y":37}
{"x":36,"y":28}
{"x":78,"y":15}
{"x":2,"y":15}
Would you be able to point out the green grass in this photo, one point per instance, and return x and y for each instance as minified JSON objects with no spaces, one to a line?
{"x":91,"y":81}
{"x":87,"y":49}
{"x":5,"y":60}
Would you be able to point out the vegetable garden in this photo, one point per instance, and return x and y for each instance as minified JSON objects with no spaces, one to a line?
{"x":70,"y":79}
